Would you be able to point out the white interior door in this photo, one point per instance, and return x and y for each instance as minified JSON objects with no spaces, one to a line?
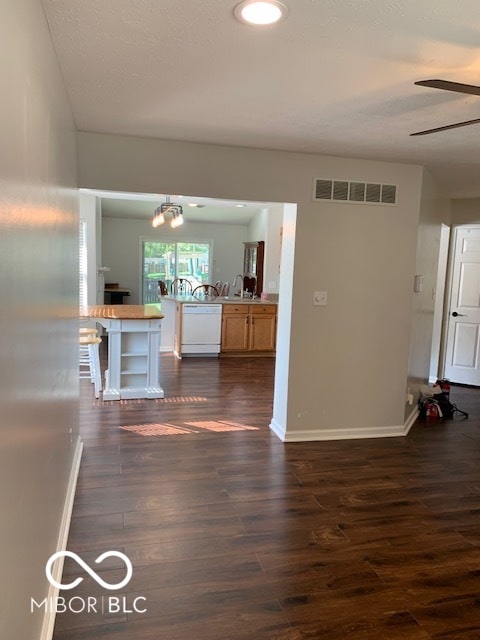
{"x":462,"y":353}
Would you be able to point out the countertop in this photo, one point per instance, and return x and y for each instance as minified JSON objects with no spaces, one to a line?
{"x":124,"y":311}
{"x":219,"y":300}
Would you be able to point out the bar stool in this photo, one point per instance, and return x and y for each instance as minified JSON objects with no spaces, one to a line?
{"x":84,"y":357}
{"x":89,"y":358}
{"x":87,"y":331}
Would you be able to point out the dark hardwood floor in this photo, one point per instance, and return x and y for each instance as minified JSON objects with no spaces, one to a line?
{"x":234,"y":535}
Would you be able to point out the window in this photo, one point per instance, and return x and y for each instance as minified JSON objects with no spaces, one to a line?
{"x":169,"y":260}
{"x":83,"y":265}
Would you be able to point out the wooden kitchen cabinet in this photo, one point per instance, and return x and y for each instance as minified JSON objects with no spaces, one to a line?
{"x":235,"y":327}
{"x":249,"y":327}
{"x":263,"y":324}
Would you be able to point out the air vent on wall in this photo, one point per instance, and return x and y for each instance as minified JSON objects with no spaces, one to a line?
{"x":349,"y":191}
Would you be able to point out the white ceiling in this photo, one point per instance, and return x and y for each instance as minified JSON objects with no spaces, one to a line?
{"x":337,"y":77}
{"x":209,"y":210}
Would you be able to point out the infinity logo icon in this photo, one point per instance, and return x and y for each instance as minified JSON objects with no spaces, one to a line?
{"x":89,"y":570}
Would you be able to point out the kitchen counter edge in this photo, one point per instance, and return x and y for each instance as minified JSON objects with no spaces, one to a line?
{"x":219,"y":300}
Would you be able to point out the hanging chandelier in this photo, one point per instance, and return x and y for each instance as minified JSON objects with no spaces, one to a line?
{"x":167,"y":207}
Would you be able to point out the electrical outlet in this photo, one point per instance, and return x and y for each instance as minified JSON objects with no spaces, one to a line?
{"x":319,"y":298}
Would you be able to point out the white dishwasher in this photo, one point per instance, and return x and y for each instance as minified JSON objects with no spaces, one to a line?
{"x":201,"y":329}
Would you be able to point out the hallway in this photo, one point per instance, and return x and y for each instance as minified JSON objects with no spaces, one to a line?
{"x":234,"y":535}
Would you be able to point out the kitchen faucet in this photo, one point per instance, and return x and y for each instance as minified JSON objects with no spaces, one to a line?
{"x":239,"y":275}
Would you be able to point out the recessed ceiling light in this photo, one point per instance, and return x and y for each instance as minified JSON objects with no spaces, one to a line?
{"x":260,"y":13}
{"x":240,"y":205}
{"x":193,"y":204}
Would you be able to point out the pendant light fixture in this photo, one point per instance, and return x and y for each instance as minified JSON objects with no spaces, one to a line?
{"x":167,"y":207}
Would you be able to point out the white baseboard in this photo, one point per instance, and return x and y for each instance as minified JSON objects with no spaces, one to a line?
{"x":410,"y":421}
{"x":278,"y":429}
{"x":49,"y":619}
{"x":307,"y":435}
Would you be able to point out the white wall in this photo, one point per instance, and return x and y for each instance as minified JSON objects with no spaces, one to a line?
{"x":88,"y":206}
{"x":266,"y":226}
{"x":441,"y":290}
{"x":122,"y":248}
{"x":273,"y":245}
{"x":435,"y":209}
{"x":363,"y":255}
{"x":466,"y":211}
{"x":38,"y":314}
{"x":257,"y":229}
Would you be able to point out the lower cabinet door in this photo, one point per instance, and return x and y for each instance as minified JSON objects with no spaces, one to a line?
{"x":262,"y":332}
{"x":235,"y":332}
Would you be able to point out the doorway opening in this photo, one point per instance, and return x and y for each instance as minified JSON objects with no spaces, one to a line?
{"x":119,"y":223}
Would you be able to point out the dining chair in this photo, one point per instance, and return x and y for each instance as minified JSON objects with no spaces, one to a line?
{"x":205,"y":292}
{"x":181,"y":286}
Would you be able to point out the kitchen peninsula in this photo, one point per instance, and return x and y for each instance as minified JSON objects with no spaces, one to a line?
{"x":248,"y":327}
{"x":133,"y":349}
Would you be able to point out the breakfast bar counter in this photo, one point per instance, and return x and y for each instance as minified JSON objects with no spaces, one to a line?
{"x":133,"y":349}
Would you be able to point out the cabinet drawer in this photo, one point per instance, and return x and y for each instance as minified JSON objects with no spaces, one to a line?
{"x":270,"y":309}
{"x":235,"y":308}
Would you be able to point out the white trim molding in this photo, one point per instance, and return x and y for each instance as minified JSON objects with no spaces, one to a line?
{"x":307,"y":435}
{"x":49,"y":619}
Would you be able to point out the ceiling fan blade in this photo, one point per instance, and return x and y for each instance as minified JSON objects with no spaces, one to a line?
{"x":446,"y":127}
{"x":450,"y":86}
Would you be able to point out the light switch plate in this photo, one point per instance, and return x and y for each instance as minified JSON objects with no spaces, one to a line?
{"x":319,"y":298}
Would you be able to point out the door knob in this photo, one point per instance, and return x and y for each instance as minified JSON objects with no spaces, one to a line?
{"x":456,"y":315}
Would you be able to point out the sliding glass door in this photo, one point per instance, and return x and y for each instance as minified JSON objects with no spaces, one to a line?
{"x":169,"y":260}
